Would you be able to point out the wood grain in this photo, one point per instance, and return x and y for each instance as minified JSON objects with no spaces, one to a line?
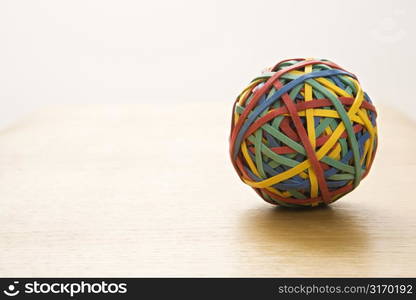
{"x":148,"y":190}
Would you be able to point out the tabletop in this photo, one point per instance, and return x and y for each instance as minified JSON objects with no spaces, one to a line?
{"x":149,"y":190}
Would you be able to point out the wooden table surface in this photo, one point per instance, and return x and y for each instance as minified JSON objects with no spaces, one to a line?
{"x":147,"y":190}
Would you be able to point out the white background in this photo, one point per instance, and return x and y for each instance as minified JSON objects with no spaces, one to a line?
{"x":63,"y":52}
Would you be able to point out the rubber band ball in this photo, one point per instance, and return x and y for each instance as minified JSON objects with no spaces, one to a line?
{"x":303,"y":133}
